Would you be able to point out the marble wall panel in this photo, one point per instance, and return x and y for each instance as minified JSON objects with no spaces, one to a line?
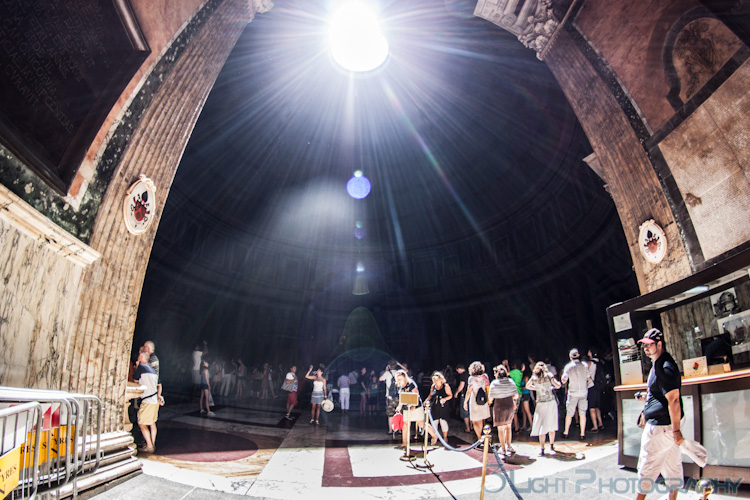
{"x":707,"y":155}
{"x":730,"y":109}
{"x":38,"y":292}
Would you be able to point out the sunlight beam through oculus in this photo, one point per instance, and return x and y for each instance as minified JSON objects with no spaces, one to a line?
{"x":356,"y":41}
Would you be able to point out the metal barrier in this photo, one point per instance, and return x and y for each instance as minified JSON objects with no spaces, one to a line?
{"x":16,"y":422}
{"x":68,"y":437}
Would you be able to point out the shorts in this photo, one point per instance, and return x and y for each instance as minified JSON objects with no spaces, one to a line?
{"x":148,"y":413}
{"x":390,"y":406}
{"x":463,"y":413}
{"x":291,"y":398}
{"x":574,"y":402}
{"x":659,"y":455}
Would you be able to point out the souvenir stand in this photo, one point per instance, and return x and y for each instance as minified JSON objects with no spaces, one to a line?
{"x":706,"y":323}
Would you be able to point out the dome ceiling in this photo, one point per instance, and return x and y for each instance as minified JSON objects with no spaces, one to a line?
{"x":483,"y":222}
{"x":463,"y":129}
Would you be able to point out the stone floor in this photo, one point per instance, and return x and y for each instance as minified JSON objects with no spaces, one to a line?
{"x":249,"y":449}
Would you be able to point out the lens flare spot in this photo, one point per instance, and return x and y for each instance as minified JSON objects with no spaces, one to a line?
{"x":358,"y":187}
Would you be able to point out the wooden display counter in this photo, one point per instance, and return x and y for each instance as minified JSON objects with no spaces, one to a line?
{"x":733,"y":375}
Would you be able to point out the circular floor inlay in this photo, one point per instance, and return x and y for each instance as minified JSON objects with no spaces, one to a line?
{"x":196,"y":445}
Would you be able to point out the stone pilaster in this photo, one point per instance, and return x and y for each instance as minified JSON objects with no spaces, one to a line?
{"x":98,"y":347}
{"x":624,"y":164}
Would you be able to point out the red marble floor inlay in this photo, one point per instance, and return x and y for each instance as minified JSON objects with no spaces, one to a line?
{"x":197,"y":445}
{"x":337,"y":469}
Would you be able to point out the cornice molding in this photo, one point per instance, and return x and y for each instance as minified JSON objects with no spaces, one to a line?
{"x":534,"y":29}
{"x":23,"y":217}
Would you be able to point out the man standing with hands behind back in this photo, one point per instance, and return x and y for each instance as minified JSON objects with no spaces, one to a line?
{"x":148,"y":413}
{"x":661,"y":439}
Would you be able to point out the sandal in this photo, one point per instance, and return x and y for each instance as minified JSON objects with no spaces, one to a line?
{"x":511,"y":450}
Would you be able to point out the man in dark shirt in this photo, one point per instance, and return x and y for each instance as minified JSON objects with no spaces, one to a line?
{"x":463,"y":381}
{"x":660,"y":443}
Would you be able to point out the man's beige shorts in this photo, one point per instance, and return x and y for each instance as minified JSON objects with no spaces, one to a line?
{"x":659,"y":455}
{"x":148,"y":414}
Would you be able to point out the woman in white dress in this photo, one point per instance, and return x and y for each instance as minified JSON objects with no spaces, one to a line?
{"x":545,"y":413}
{"x":478,"y":412}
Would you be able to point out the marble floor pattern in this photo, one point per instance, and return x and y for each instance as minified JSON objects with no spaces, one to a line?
{"x":249,"y":449}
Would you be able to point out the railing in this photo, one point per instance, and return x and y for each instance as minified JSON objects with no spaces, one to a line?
{"x":16,"y":422}
{"x":67,"y":437}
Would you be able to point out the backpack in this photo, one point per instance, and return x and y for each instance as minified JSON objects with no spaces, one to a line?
{"x":601,"y":378}
{"x":392,"y":389}
{"x":481,"y":396}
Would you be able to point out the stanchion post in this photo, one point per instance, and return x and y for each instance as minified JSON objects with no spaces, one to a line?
{"x":704,"y":488}
{"x":426,"y":434}
{"x":486,"y":437}
{"x":407,"y":399}
{"x":407,"y":430}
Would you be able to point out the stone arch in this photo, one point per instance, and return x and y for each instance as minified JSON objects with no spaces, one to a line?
{"x":97,"y":350}
{"x":696,"y":47}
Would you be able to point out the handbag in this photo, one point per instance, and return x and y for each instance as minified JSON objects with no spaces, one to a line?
{"x":397,"y":422}
{"x":481,"y":398}
{"x":288,"y":385}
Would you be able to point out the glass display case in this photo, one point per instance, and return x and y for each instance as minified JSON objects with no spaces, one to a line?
{"x":706,"y":323}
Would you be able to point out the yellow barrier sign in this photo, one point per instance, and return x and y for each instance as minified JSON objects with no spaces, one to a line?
{"x":9,"y":471}
{"x":52,"y":444}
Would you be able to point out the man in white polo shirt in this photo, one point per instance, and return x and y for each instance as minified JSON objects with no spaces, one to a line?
{"x":148,"y":413}
{"x":577,"y":376}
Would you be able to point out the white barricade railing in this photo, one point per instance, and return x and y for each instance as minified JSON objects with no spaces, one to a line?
{"x":69,"y":437}
{"x":17,"y":480}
